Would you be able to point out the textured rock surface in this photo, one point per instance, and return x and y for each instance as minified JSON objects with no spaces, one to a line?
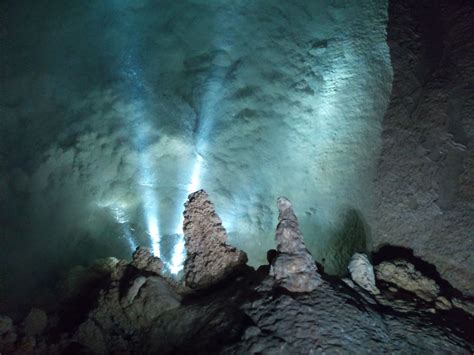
{"x":209,"y":258}
{"x":143,"y":259}
{"x":139,"y":312}
{"x":404,"y":275}
{"x":362,"y":273}
{"x":425,"y":184}
{"x":294,"y":268}
{"x":329,"y":320}
{"x":127,"y":306}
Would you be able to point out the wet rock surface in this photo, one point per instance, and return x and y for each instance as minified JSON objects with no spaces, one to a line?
{"x":210,"y":258}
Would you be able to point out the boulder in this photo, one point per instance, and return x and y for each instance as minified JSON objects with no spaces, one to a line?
{"x":362,"y":273}
{"x":294,"y":268}
{"x":209,"y":258}
{"x":404,"y":275}
{"x":147,"y":299}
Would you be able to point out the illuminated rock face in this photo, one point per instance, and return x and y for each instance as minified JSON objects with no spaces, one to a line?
{"x":209,"y":258}
{"x":115,"y":111}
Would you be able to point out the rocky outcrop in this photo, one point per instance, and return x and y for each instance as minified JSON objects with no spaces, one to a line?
{"x":333,"y":321}
{"x":134,"y":299}
{"x":209,"y":258}
{"x":144,"y":260}
{"x":404,"y":275}
{"x":137,"y":310}
{"x":425,"y":184}
{"x":294,"y":268}
{"x":362,"y":273}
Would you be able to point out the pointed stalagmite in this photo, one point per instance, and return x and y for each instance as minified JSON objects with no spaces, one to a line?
{"x":294,"y":268}
{"x":209,"y":258}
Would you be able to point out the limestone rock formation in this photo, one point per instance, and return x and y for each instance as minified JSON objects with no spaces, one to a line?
{"x":336,"y":322}
{"x":139,"y":312}
{"x":132,"y":301}
{"x":209,"y":257}
{"x":404,"y":275}
{"x":294,"y":268}
{"x":362,"y":273}
{"x":143,"y":259}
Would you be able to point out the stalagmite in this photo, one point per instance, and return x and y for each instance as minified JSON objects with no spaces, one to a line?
{"x":209,"y":258}
{"x":294,"y":268}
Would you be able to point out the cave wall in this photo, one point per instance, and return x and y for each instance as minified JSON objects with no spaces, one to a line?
{"x":425,"y":180}
{"x":113,"y":111}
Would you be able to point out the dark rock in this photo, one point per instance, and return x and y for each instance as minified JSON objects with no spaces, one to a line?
{"x":5,"y":325}
{"x":330,"y":320}
{"x":425,"y":184}
{"x":35,"y":322}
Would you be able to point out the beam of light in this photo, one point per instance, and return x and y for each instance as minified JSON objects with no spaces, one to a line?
{"x":137,"y":86}
{"x":212,"y":95}
{"x":150,"y":207}
{"x":154,"y":233}
{"x":179,"y":250}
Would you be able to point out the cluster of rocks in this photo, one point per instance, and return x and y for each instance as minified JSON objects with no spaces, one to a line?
{"x":222,"y":305}
{"x":401,"y":277}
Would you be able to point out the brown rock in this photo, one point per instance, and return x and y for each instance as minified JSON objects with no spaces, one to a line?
{"x":143,"y":259}
{"x":209,"y":258}
{"x":294,"y":268}
{"x":404,"y":275}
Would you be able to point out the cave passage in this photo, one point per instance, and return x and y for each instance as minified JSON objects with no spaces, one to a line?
{"x":114,"y":111}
